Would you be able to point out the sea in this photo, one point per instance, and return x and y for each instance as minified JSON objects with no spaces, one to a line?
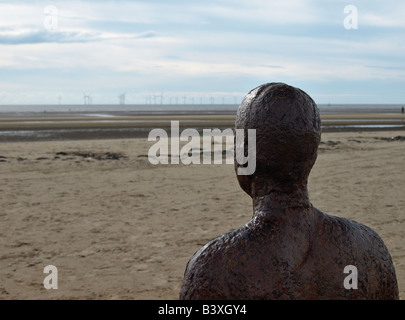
{"x":153,"y":109}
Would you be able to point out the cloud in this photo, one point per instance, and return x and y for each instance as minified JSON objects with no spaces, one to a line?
{"x":16,"y":37}
{"x":183,"y":45}
{"x":382,"y":20}
{"x":44,"y":36}
{"x":260,"y":12}
{"x":72,"y":22}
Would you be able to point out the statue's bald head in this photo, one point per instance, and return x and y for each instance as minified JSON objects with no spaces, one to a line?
{"x":288,"y":132}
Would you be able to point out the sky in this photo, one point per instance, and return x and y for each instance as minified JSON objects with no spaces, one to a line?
{"x":337,"y":51}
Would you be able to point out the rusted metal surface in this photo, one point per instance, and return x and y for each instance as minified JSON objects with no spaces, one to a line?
{"x":289,"y":249}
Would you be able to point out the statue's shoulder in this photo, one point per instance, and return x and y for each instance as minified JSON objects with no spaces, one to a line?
{"x":345,"y":231}
{"x":206,"y":269}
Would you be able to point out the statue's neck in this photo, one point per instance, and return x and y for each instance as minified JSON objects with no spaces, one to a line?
{"x":292,"y":204}
{"x":288,"y":219}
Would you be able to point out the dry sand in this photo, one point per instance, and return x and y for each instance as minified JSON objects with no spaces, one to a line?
{"x":125,"y":229}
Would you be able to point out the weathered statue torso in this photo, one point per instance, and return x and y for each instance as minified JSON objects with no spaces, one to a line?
{"x":289,"y":250}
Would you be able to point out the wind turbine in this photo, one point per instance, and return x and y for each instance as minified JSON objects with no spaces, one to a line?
{"x":121,"y":98}
{"x":159,"y":96}
{"x":87,"y":99}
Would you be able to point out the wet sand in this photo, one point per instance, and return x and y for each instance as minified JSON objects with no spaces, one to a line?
{"x":57,"y":121}
{"x":57,"y":126}
{"x":118,"y":227}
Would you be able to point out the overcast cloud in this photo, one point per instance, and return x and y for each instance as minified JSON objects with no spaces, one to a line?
{"x":200,"y":49}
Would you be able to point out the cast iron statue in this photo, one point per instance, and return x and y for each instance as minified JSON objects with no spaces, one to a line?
{"x":289,"y":249}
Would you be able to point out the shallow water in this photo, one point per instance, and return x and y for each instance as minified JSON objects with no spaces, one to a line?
{"x":106,"y":110}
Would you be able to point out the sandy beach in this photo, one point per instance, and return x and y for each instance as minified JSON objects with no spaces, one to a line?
{"x":118,"y":227}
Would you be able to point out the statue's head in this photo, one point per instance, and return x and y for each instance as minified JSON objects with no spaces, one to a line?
{"x":288,"y":132}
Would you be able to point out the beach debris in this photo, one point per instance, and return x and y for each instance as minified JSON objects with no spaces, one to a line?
{"x":88,"y":155}
{"x":355,"y":140}
{"x":397,"y":138}
{"x":330,"y":143}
